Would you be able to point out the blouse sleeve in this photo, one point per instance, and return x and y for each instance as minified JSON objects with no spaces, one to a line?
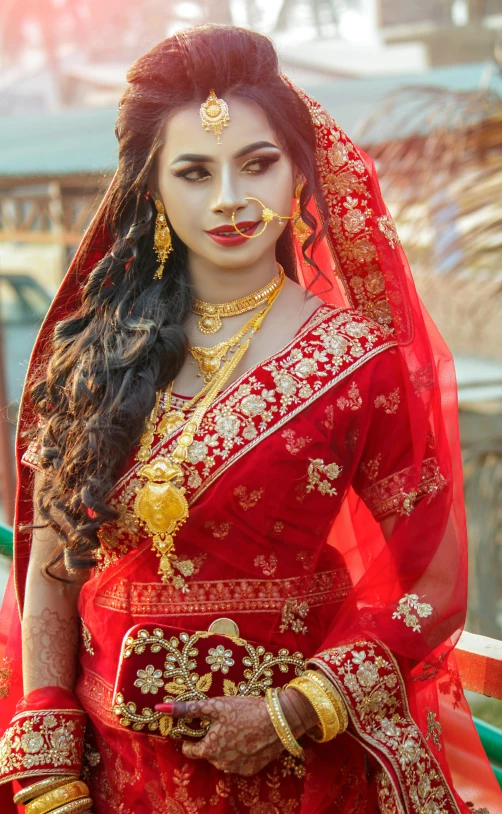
{"x":392,"y":476}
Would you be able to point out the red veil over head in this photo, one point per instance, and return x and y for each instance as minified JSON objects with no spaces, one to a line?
{"x":409,"y":591}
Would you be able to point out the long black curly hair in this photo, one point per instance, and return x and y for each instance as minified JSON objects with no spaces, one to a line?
{"x":127,"y":338}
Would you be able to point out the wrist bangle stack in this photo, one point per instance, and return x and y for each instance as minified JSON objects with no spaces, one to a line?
{"x":280,"y":723}
{"x":333,"y":695}
{"x":40,"y":787}
{"x":320,"y":701}
{"x":57,"y":795}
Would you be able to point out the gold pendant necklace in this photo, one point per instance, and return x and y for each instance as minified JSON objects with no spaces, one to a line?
{"x":211,"y":313}
{"x":210,"y":359}
{"x":160,"y":503}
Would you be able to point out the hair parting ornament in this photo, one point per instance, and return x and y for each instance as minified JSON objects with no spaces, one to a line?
{"x":214,"y":115}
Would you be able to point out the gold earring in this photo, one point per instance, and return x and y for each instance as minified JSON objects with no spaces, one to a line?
{"x":300,"y":228}
{"x":162,"y":241}
{"x":267,"y":216}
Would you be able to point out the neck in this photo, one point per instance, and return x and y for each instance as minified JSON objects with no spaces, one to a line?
{"x":223,"y":284}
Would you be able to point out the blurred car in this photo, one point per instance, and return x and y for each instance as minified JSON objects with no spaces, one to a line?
{"x":23,"y":305}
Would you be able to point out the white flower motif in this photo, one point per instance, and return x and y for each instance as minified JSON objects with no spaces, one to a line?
{"x":149,"y":680}
{"x":220,"y":659}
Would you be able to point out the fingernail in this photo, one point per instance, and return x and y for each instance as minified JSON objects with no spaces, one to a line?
{"x":167,"y":707}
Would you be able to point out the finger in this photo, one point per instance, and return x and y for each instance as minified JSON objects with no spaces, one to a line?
{"x":188,"y":709}
{"x":193,"y":750}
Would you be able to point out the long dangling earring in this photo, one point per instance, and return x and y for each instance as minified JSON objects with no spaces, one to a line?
{"x":162,"y":241}
{"x":300,"y":228}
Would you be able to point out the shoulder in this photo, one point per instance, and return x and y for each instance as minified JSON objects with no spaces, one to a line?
{"x":348,"y":333}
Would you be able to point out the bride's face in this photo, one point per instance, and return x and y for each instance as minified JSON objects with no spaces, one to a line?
{"x":201,"y":183}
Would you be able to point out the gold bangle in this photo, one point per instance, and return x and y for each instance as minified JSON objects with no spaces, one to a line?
{"x":318,"y":697}
{"x":52,"y":799}
{"x":74,"y":808}
{"x":280,"y":724}
{"x":41,"y":786}
{"x":333,"y":694}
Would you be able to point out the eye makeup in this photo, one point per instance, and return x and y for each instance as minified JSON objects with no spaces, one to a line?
{"x":263,"y":162}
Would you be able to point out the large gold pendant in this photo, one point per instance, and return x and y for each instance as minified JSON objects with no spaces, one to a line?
{"x":209,"y":359}
{"x":163,"y":508}
{"x":170,"y":422}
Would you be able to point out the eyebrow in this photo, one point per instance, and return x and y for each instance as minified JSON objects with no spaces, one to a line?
{"x":257,"y":145}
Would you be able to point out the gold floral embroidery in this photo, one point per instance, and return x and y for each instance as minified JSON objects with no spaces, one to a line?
{"x":422,"y":379}
{"x":250,"y":792}
{"x":389,"y":403}
{"x":388,"y":228}
{"x":5,"y":677}
{"x":371,"y":467}
{"x":293,"y":612}
{"x":268,"y":567}
{"x":409,"y":609}
{"x":387,"y":803}
{"x":177,"y":661}
{"x":320,"y":476}
{"x":433,"y":729}
{"x":354,"y":400}
{"x":399,"y":493}
{"x":87,"y":638}
{"x":306,"y":558}
{"x":218,"y":530}
{"x":248,"y":501}
{"x":330,"y":417}
{"x":295,"y":445}
{"x":224,"y":597}
{"x":278,"y":527}
{"x":31,"y":457}
{"x":38,"y":742}
{"x":370,"y":682}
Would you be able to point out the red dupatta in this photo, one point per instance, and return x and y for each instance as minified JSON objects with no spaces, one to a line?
{"x":389,"y":648}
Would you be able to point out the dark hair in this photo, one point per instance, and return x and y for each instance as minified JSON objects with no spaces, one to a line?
{"x":127,"y":339}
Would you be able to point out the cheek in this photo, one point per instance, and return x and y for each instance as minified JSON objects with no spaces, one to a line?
{"x":183,"y":210}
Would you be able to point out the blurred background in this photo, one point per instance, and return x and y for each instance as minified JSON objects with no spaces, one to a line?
{"x":417,"y":84}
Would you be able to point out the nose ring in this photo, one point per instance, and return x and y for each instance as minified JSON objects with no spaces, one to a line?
{"x":267,"y":216}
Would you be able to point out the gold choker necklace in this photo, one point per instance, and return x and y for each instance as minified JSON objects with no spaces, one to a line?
{"x":212,"y":312}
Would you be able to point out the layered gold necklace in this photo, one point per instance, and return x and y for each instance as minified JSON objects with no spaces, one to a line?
{"x":211,"y":313}
{"x":210,"y":359}
{"x":160,"y":504}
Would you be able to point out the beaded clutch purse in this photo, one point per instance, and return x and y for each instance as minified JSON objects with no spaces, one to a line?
{"x":160,"y":664}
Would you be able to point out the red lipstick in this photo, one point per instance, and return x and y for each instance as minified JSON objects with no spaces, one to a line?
{"x":226,"y":235}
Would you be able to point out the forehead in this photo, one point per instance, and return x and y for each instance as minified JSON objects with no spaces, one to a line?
{"x":184,"y":132}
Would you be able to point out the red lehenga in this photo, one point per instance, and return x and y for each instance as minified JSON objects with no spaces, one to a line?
{"x":291,"y":472}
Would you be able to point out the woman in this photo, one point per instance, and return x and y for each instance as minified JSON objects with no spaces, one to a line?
{"x":247,"y":476}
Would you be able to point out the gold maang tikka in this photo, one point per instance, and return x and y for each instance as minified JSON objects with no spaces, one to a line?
{"x":214,"y":115}
{"x":162,"y":241}
{"x":267,"y":216}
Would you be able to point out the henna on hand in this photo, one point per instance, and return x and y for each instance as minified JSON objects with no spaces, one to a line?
{"x":241,"y":739}
{"x":50,"y":648}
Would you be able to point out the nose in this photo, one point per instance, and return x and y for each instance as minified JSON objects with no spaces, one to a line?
{"x":228,"y":196}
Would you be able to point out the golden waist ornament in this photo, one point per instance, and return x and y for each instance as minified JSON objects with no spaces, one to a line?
{"x":160,"y":504}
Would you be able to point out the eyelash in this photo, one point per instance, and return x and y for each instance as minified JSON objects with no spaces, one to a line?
{"x":266,"y":162}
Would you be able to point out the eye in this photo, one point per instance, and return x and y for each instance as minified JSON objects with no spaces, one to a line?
{"x":258,"y":165}
{"x":193,"y":174}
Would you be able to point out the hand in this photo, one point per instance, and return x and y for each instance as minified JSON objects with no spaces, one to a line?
{"x":241,"y":739}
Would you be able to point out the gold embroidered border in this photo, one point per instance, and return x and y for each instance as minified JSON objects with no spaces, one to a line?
{"x":42,"y":742}
{"x":398,"y":494}
{"x":225,"y":596}
{"x":367,"y":676}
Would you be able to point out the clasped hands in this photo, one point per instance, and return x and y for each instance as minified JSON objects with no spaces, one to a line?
{"x":241,"y":739}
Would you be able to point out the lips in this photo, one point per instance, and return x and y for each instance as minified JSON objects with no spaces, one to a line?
{"x":230,"y":239}
{"x":228,"y":228}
